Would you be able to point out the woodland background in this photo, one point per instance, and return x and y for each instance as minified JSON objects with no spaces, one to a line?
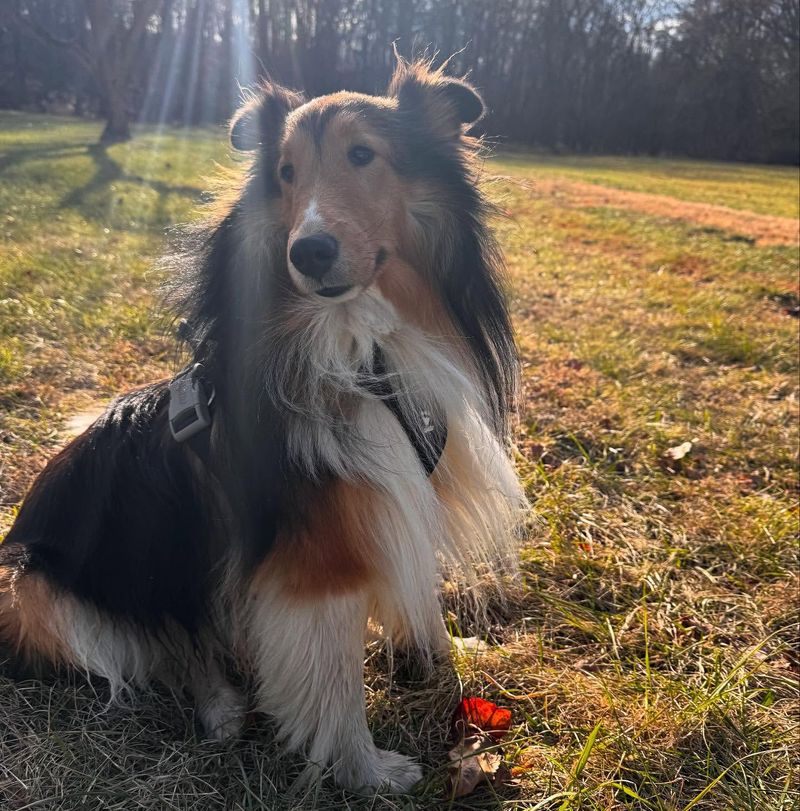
{"x":701,"y":78}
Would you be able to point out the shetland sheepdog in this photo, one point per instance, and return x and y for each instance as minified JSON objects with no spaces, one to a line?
{"x":335,"y":451}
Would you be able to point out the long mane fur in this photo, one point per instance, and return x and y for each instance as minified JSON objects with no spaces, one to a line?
{"x":275,"y":360}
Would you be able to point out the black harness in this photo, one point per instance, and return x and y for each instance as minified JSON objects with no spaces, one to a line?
{"x":427,"y":433}
{"x":191,"y":401}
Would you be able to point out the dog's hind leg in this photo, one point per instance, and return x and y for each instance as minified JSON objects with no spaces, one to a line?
{"x":40,"y":626}
{"x":309,"y":654}
{"x":28,"y":640}
{"x":123,"y":652}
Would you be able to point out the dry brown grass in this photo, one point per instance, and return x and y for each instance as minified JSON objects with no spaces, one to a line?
{"x":761,"y":228}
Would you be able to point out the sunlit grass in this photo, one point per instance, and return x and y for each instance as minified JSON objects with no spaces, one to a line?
{"x":649,"y":652}
{"x":81,"y":227}
{"x":750,"y":187}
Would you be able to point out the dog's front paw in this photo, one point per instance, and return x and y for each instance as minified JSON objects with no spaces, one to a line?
{"x":222,"y":713}
{"x":388,"y":772}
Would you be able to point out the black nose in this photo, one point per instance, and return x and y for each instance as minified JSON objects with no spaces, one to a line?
{"x":314,"y":256}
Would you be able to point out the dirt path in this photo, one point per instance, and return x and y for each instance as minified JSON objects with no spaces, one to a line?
{"x":81,"y":420}
{"x":762,"y":228}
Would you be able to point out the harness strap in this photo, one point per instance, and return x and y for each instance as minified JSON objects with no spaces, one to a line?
{"x":190,"y":413}
{"x":428,"y":436}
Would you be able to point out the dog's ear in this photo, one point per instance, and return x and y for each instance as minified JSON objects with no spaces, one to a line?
{"x":447,"y":106}
{"x":260,"y":119}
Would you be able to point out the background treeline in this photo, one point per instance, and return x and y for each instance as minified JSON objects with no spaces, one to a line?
{"x":705,"y":78}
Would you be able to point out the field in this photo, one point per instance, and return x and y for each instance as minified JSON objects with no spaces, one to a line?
{"x":650,"y":654}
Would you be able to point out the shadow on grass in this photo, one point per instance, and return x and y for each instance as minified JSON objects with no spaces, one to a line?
{"x":108,"y":171}
{"x":15,"y":157}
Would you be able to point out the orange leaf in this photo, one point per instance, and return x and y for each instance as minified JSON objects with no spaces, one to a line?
{"x":486,"y":716}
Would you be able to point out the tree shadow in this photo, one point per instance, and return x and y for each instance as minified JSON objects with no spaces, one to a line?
{"x":108,"y":171}
{"x":21,"y":155}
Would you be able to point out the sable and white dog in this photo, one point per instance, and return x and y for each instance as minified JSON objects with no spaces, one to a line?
{"x":347,"y":316}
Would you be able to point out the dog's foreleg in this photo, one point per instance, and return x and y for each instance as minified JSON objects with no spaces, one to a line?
{"x":310,"y":660}
{"x":220,"y":706}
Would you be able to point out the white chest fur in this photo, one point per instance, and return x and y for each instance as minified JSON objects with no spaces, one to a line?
{"x":459,"y":523}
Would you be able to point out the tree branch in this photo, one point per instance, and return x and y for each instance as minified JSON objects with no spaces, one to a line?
{"x":144,"y":11}
{"x":27,"y":23}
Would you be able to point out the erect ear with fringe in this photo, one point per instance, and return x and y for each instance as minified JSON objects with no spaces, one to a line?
{"x":260,"y":120}
{"x":448,"y":106}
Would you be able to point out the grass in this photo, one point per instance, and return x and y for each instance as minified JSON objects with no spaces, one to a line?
{"x":650,"y":652}
{"x":769,"y":190}
{"x":80,"y":228}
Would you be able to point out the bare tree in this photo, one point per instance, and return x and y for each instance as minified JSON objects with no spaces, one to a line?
{"x":715,"y":78}
{"x":106,"y":45}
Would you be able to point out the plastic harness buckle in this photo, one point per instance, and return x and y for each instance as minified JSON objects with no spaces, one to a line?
{"x":188,"y":404}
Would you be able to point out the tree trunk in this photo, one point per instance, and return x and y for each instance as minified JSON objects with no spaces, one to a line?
{"x":118,"y":117}
{"x":113,"y":47}
{"x":19,"y":86}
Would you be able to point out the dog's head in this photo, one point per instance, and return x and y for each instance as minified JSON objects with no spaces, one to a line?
{"x":357,"y":179}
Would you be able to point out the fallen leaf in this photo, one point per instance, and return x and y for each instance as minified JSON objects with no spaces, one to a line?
{"x":535,"y":451}
{"x":679,"y":451}
{"x":473,"y":765}
{"x":469,"y":646}
{"x":484,"y":715}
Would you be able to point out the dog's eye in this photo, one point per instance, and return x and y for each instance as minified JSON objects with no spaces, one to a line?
{"x":360,"y":155}
{"x":287,"y":172}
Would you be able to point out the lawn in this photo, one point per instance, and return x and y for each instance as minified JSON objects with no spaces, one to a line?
{"x":760,"y":189}
{"x":650,"y":653}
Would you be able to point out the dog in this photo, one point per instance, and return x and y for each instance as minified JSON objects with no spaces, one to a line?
{"x":335,"y":450}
